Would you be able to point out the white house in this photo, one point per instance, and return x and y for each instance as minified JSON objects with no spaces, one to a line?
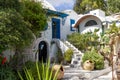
{"x":59,"y":25}
{"x":91,"y":21}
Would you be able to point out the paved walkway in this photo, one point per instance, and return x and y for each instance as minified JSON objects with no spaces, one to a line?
{"x":107,"y":76}
{"x":79,"y":74}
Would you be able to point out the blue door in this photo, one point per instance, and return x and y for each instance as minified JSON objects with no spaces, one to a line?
{"x":55,"y":28}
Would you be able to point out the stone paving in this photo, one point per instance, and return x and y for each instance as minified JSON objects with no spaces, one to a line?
{"x":79,"y":74}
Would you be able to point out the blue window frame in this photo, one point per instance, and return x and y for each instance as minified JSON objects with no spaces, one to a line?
{"x":72,"y":21}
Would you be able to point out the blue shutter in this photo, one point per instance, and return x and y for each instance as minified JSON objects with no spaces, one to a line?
{"x":72,"y":21}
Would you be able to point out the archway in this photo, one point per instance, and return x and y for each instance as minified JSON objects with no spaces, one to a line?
{"x":42,"y":56}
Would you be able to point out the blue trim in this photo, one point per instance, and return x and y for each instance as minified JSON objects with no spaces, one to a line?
{"x":55,"y":28}
{"x":56,"y":13}
{"x":72,"y":21}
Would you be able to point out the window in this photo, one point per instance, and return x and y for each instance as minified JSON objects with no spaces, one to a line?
{"x":72,"y":21}
{"x":91,"y":23}
{"x":94,"y":13}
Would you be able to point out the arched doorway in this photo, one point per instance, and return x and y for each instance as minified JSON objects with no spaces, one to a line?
{"x":42,"y":51}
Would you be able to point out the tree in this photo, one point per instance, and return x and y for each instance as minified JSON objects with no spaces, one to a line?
{"x":14,"y":32}
{"x":18,"y":22}
{"x":11,"y":4}
{"x":113,"y":6}
{"x":34,"y":14}
{"x":77,"y":6}
{"x":83,"y":6}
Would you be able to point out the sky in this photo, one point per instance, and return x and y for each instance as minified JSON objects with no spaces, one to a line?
{"x":62,"y":4}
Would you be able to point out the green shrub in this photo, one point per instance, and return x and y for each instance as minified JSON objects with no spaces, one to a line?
{"x":30,"y":66}
{"x":68,"y":55}
{"x":60,"y":57}
{"x":84,"y":41}
{"x":37,"y":71}
{"x":94,"y":56}
{"x":7,"y":73}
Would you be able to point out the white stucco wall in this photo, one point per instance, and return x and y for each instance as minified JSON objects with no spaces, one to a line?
{"x":66,"y":30}
{"x":47,"y":36}
{"x":98,"y":12}
{"x":8,"y":54}
{"x":53,"y":51}
{"x":84,"y":29}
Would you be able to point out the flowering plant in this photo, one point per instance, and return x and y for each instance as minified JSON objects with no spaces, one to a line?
{"x":2,"y":59}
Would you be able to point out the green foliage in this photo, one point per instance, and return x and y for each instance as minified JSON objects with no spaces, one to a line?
{"x":1,"y":58}
{"x":34,"y":14}
{"x":94,"y":56}
{"x":60,"y":57}
{"x":13,"y":30}
{"x":84,"y":41}
{"x":7,"y":73}
{"x":113,"y":29}
{"x":109,"y":6}
{"x":83,"y":6}
{"x":16,"y":62}
{"x":113,"y":6}
{"x":38,"y":71}
{"x":19,"y":21}
{"x":68,"y":55}
{"x":105,"y":39}
{"x":77,"y":7}
{"x":11,"y":4}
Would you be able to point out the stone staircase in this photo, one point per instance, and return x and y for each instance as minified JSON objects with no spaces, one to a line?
{"x":77,"y":56}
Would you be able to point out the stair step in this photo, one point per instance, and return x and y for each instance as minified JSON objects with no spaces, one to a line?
{"x":74,"y":66}
{"x":77,"y":55}
{"x":75,"y":62}
{"x":71,"y":47}
{"x":79,"y":58}
{"x":75,"y":52}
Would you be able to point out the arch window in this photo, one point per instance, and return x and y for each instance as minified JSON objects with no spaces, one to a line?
{"x":90,"y":23}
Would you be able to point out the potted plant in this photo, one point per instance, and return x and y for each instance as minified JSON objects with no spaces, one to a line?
{"x":95,"y":57}
{"x":88,"y":65}
{"x":68,"y":55}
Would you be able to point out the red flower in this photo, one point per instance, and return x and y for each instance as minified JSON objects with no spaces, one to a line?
{"x":4,"y":60}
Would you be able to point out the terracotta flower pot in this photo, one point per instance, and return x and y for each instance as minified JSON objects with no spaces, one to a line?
{"x":60,"y":72}
{"x":88,"y":65}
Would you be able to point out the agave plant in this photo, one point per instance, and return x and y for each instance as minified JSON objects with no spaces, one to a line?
{"x":43,"y":72}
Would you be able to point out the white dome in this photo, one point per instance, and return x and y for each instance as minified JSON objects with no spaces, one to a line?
{"x":46,"y":5}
